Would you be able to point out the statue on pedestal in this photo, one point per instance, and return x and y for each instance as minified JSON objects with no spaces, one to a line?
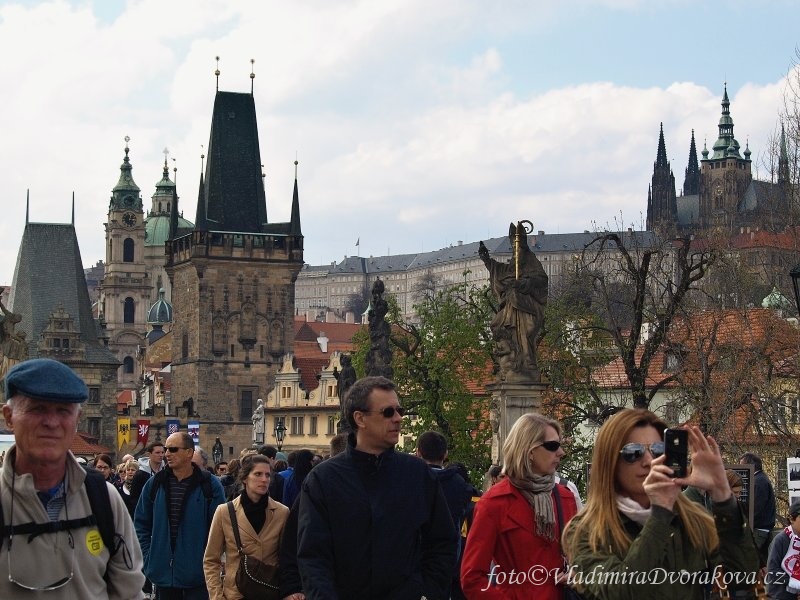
{"x":379,"y":358}
{"x":345,"y":379}
{"x":258,"y":423}
{"x":216,"y":451}
{"x":521,"y":290}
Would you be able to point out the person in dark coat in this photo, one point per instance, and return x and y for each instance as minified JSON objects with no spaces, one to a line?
{"x":784,"y":557}
{"x":432,"y":448}
{"x":373,"y":522}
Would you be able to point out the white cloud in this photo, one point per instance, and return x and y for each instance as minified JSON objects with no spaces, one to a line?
{"x":410,"y":130}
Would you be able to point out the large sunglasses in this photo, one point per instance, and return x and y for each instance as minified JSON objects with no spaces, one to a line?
{"x":174,"y":449}
{"x":632,"y":453}
{"x":551,"y":446}
{"x":388,"y":412}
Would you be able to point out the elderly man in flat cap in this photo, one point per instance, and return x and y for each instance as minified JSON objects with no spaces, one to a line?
{"x":52,"y":540}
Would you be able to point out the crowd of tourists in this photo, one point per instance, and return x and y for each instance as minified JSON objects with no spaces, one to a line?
{"x":370,"y":522}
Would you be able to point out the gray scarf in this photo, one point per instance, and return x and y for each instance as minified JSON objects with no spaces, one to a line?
{"x":537,"y":491}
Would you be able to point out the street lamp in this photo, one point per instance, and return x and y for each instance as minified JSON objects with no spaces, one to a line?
{"x":280,"y":432}
{"x":795,"y":275}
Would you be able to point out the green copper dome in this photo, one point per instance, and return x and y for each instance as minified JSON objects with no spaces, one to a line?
{"x":161,"y":312}
{"x":156,"y":229}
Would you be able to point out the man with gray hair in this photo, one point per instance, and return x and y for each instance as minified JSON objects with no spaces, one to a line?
{"x":52,"y":541}
{"x":373,"y":522}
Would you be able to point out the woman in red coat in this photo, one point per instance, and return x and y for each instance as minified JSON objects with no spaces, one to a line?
{"x":513,"y":548}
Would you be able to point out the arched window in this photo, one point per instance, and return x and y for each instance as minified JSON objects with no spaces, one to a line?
{"x":127,"y":364}
{"x":129,"y":310}
{"x":127,"y":250}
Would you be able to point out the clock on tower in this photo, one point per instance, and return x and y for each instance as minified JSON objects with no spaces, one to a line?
{"x":129,"y":219}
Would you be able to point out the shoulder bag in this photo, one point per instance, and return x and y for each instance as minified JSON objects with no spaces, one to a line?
{"x":253,"y":578}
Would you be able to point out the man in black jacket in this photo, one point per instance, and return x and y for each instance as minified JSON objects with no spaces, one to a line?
{"x":763,"y":498}
{"x":373,"y":522}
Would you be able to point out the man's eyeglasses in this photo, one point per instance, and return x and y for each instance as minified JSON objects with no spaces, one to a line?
{"x":174,"y":449}
{"x":551,"y":446}
{"x":52,"y":586}
{"x":389,"y":411}
{"x":631,"y":453}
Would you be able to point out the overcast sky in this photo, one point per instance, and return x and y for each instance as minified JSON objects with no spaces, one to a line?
{"x":416,"y":123}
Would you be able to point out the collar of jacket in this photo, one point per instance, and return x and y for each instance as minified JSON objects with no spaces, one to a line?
{"x":369,"y":463}
{"x":194,"y":479}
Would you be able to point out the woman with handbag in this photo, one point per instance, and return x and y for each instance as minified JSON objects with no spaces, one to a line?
{"x":513,"y":548}
{"x":248,"y":531}
{"x":639,"y":537}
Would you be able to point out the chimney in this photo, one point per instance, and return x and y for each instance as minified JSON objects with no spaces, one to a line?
{"x":323,"y":342}
{"x":349,"y":317}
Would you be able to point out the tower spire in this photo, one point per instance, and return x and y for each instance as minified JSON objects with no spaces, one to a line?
{"x":691,"y":182}
{"x":661,"y":155}
{"x":726,"y":145}
{"x":216,"y":73}
{"x":294,"y":225}
{"x":27,"y":205}
{"x":73,"y":208}
{"x":252,"y":74}
{"x":783,"y":160}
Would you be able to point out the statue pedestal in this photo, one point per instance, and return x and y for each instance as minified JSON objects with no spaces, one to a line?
{"x":509,"y":402}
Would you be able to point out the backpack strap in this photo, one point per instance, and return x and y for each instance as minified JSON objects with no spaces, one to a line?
{"x":100,"y":503}
{"x":102,"y":516}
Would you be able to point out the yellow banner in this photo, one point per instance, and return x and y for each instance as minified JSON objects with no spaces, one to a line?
{"x":123,"y":431}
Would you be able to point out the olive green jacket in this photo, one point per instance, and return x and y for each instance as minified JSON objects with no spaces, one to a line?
{"x":661,"y":563}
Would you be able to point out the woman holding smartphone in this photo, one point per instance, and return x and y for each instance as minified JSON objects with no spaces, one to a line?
{"x":639,"y":535}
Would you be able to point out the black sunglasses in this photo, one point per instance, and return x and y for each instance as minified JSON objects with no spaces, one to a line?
{"x":389,"y":411}
{"x":551,"y":446}
{"x":174,"y":449}
{"x":631,"y":453}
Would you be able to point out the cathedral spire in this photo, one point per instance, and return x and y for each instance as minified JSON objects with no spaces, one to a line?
{"x":726,"y":145}
{"x":691,"y":182}
{"x":661,"y":155}
{"x":662,"y":209}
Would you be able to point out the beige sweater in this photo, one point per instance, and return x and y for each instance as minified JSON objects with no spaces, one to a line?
{"x":48,"y":557}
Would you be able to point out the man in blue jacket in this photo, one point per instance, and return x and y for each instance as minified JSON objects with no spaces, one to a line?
{"x":172,"y":521}
{"x":373,"y":522}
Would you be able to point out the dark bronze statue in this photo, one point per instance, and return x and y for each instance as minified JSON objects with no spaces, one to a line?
{"x":345,"y":379}
{"x":521,"y":290}
{"x":379,"y":358}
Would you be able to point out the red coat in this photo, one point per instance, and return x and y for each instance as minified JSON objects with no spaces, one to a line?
{"x":504,"y":531}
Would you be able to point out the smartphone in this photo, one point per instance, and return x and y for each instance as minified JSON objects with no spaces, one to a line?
{"x":676,"y":447}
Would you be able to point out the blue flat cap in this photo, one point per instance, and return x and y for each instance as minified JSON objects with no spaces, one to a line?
{"x":45,"y":379}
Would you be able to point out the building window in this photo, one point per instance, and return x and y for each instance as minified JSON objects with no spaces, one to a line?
{"x":332,"y":391}
{"x":331,"y":424}
{"x":286,"y":392}
{"x":93,"y":425}
{"x":127,"y":250}
{"x":127,"y":364}
{"x":94,"y":395}
{"x":128,"y":310}
{"x":246,"y":404}
{"x":312,"y":430}
{"x":297,"y":426}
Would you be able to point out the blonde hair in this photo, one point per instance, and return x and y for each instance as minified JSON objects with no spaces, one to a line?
{"x":528,"y":431}
{"x":599,"y":522}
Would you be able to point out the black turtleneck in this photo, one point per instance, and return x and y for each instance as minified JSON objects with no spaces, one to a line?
{"x":256,"y":512}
